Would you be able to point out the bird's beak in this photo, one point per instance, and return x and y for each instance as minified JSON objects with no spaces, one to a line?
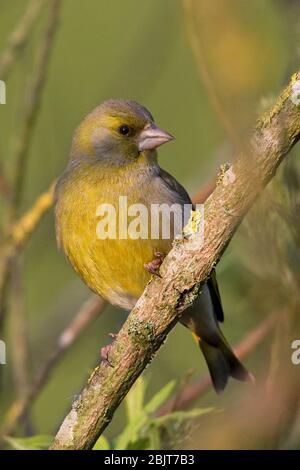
{"x":151,"y":137}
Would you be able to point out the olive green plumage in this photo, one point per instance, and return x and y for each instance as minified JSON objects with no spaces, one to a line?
{"x":114,"y":154}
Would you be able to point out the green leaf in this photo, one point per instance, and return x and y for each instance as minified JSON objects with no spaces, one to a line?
{"x":154,"y":438}
{"x":140,"y":444}
{"x":130,"y":432}
{"x":102,"y":444}
{"x":135,"y":399}
{"x":160,"y":397}
{"x":180,"y":416}
{"x":39,"y":442}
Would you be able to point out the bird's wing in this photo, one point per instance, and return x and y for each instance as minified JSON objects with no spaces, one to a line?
{"x":182,"y":196}
{"x":174,"y":187}
{"x":215,"y":296}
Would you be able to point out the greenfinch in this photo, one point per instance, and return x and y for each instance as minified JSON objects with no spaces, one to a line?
{"x":113,"y":155}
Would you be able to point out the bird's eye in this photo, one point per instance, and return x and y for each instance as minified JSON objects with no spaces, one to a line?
{"x":124,"y":130}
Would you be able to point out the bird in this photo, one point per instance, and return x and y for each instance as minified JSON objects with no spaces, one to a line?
{"x":114,"y":154}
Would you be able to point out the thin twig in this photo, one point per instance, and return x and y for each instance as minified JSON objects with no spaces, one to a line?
{"x":18,"y":333}
{"x":5,"y":188}
{"x":18,"y":38}
{"x":28,"y":123}
{"x":183,"y":271}
{"x":194,"y":34}
{"x":175,"y":401}
{"x":19,"y":234}
{"x":86,"y":314}
{"x":20,"y":157}
{"x":22,"y":229}
{"x":33,"y":101}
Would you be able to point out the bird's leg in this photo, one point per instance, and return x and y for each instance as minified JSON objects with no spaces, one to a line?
{"x":106,"y":349}
{"x":154,"y":265}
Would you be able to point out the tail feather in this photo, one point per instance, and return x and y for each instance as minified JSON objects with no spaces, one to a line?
{"x":237,"y":370}
{"x":222,"y":363}
{"x":203,"y":320}
{"x":217,"y":365}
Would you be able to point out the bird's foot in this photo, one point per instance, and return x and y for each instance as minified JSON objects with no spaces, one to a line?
{"x":154,"y":265}
{"x":106,"y":350}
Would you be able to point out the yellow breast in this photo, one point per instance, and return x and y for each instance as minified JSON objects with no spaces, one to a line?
{"x":112,"y":267}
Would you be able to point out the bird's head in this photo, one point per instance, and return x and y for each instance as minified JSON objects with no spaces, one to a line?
{"x":118,"y":131}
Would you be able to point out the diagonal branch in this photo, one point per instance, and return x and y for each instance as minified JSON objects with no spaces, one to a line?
{"x":186,"y":267}
{"x":19,"y":233}
{"x":22,"y":229}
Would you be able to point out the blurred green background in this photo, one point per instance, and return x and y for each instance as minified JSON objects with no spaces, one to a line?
{"x":142,"y":51}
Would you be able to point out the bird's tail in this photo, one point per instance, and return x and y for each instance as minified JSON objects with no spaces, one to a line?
{"x":203,"y":320}
{"x":222,"y":363}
